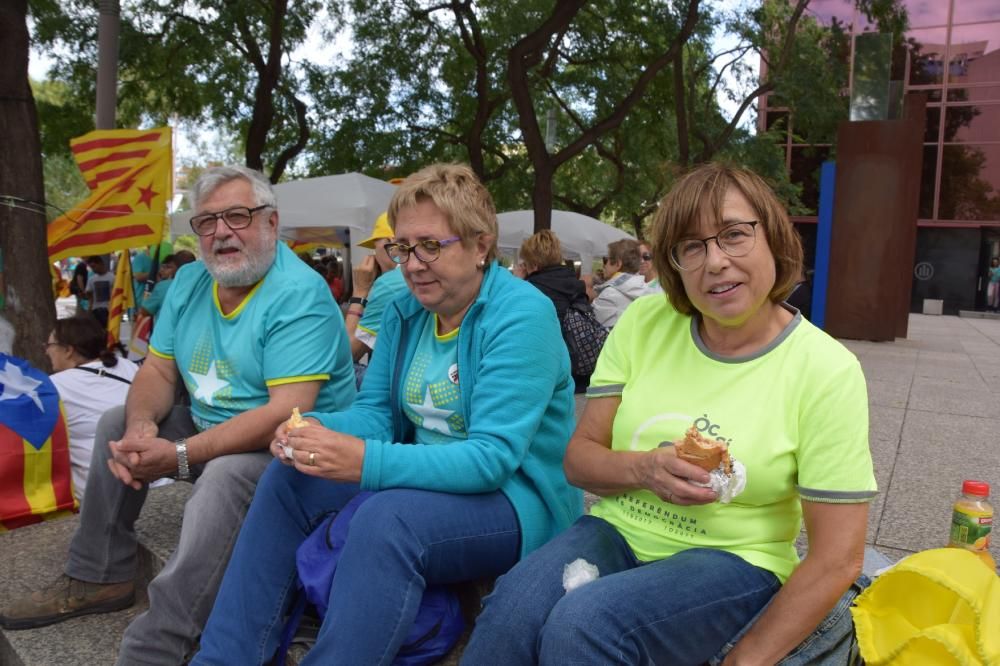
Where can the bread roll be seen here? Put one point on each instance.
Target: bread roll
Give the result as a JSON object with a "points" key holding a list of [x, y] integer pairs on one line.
{"points": [[706, 453]]}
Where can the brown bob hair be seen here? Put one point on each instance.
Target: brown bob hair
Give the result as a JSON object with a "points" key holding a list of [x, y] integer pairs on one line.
{"points": [[458, 193], [698, 195]]}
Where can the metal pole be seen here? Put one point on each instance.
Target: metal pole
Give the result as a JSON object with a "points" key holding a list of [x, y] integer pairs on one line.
{"points": [[107, 63]]}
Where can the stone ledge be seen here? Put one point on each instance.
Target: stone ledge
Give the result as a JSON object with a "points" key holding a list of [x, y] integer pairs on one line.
{"points": [[34, 556]]}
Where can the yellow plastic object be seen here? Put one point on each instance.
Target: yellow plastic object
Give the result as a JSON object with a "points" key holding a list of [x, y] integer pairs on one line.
{"points": [[939, 606]]}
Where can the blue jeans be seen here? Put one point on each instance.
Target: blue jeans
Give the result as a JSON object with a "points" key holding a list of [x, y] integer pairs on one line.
{"points": [[680, 610], [399, 541]]}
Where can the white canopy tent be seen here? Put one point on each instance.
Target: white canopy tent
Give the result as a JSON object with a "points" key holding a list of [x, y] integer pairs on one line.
{"points": [[339, 210], [583, 238]]}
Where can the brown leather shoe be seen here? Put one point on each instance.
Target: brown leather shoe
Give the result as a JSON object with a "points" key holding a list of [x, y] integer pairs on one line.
{"points": [[65, 598]]}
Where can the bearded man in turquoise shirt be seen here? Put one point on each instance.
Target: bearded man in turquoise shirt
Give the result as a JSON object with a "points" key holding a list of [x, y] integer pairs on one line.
{"points": [[251, 332]]}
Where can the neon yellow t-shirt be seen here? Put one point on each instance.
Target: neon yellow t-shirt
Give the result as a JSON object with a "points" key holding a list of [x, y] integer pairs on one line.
{"points": [[795, 414]]}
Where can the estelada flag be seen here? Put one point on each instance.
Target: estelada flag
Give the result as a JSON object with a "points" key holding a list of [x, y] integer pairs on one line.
{"points": [[130, 175], [122, 297], [35, 477]]}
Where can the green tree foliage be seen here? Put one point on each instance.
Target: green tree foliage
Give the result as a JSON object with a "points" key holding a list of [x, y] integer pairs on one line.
{"points": [[220, 62], [590, 106]]}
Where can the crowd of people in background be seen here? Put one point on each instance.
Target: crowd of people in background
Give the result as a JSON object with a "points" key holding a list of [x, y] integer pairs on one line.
{"points": [[436, 393]]}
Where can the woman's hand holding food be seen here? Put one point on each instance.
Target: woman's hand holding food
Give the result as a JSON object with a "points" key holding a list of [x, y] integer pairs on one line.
{"points": [[669, 478], [318, 451]]}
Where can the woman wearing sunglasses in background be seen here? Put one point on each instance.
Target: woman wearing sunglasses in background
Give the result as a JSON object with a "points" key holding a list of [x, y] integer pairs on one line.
{"points": [[647, 270], [461, 426]]}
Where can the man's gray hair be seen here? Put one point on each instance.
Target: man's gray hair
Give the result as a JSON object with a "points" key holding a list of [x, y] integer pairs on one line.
{"points": [[215, 177]]}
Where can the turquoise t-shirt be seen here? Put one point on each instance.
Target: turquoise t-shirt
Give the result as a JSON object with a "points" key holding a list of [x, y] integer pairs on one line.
{"points": [[432, 395], [288, 329], [386, 288], [154, 299], [141, 263], [795, 414]]}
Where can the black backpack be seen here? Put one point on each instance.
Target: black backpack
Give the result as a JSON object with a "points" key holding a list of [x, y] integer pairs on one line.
{"points": [[584, 337]]}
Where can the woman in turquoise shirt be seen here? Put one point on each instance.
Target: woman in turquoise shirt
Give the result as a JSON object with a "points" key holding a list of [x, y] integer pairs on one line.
{"points": [[461, 426]]}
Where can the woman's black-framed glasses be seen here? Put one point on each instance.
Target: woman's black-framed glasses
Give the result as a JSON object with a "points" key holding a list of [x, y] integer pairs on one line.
{"points": [[736, 240], [427, 250], [237, 217]]}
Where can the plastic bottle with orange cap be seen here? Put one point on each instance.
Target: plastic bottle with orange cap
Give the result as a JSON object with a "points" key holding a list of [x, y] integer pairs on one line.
{"points": [[972, 521]]}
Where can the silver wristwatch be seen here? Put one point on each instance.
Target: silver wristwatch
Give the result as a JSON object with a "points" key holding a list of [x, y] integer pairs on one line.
{"points": [[183, 471]]}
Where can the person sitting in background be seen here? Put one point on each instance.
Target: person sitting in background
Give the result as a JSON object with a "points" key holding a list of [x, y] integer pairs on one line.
{"points": [[153, 301], [467, 466], [687, 571], [647, 270], [376, 283], [91, 379], [623, 284], [542, 262]]}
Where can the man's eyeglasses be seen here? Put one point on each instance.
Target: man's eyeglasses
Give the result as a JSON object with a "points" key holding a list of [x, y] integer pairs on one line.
{"points": [[237, 217], [736, 240], [426, 251]]}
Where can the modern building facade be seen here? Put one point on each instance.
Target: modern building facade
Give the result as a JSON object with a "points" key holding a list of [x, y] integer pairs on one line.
{"points": [[952, 55]]}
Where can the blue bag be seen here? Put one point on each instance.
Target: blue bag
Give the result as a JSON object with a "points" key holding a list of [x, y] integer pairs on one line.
{"points": [[439, 622]]}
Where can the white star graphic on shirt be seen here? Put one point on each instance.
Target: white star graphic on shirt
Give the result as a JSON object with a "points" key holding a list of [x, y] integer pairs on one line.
{"points": [[434, 419], [208, 384], [15, 384]]}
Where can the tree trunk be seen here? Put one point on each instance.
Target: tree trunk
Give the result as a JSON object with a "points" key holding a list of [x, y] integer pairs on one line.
{"points": [[27, 286], [541, 195]]}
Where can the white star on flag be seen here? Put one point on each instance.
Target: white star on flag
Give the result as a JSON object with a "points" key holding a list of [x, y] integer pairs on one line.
{"points": [[434, 419], [16, 383], [208, 384]]}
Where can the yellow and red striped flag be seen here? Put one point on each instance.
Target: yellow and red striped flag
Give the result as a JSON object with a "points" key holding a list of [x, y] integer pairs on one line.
{"points": [[130, 175], [122, 297], [35, 472]]}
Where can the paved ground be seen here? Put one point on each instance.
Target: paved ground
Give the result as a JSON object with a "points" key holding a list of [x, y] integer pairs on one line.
{"points": [[935, 420]]}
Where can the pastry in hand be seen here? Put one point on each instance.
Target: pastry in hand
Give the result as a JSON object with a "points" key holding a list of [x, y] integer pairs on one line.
{"points": [[709, 454], [296, 420], [726, 475]]}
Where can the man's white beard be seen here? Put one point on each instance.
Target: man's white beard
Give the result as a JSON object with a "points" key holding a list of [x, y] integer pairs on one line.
{"points": [[255, 263]]}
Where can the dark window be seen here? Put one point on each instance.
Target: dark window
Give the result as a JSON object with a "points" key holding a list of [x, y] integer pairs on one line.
{"points": [[969, 123], [927, 176], [806, 161], [978, 94], [927, 52], [970, 183], [933, 124]]}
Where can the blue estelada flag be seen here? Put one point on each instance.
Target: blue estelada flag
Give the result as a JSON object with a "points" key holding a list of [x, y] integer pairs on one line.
{"points": [[35, 477]]}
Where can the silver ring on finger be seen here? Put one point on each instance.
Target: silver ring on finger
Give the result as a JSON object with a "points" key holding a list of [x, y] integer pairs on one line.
{"points": [[312, 459]]}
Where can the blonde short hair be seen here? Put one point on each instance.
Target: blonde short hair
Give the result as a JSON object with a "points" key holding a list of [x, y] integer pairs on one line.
{"points": [[542, 249], [458, 193], [700, 194]]}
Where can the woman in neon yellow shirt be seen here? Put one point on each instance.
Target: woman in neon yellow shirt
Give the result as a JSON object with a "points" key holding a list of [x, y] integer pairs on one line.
{"points": [[665, 570]]}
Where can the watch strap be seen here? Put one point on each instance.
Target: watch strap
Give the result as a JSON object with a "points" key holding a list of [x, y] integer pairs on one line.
{"points": [[183, 469], [360, 300]]}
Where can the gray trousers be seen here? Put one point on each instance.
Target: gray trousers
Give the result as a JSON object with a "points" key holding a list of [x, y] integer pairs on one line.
{"points": [[104, 548]]}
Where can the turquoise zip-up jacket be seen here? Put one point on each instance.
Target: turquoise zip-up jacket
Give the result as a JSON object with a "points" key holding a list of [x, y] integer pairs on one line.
{"points": [[517, 402]]}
